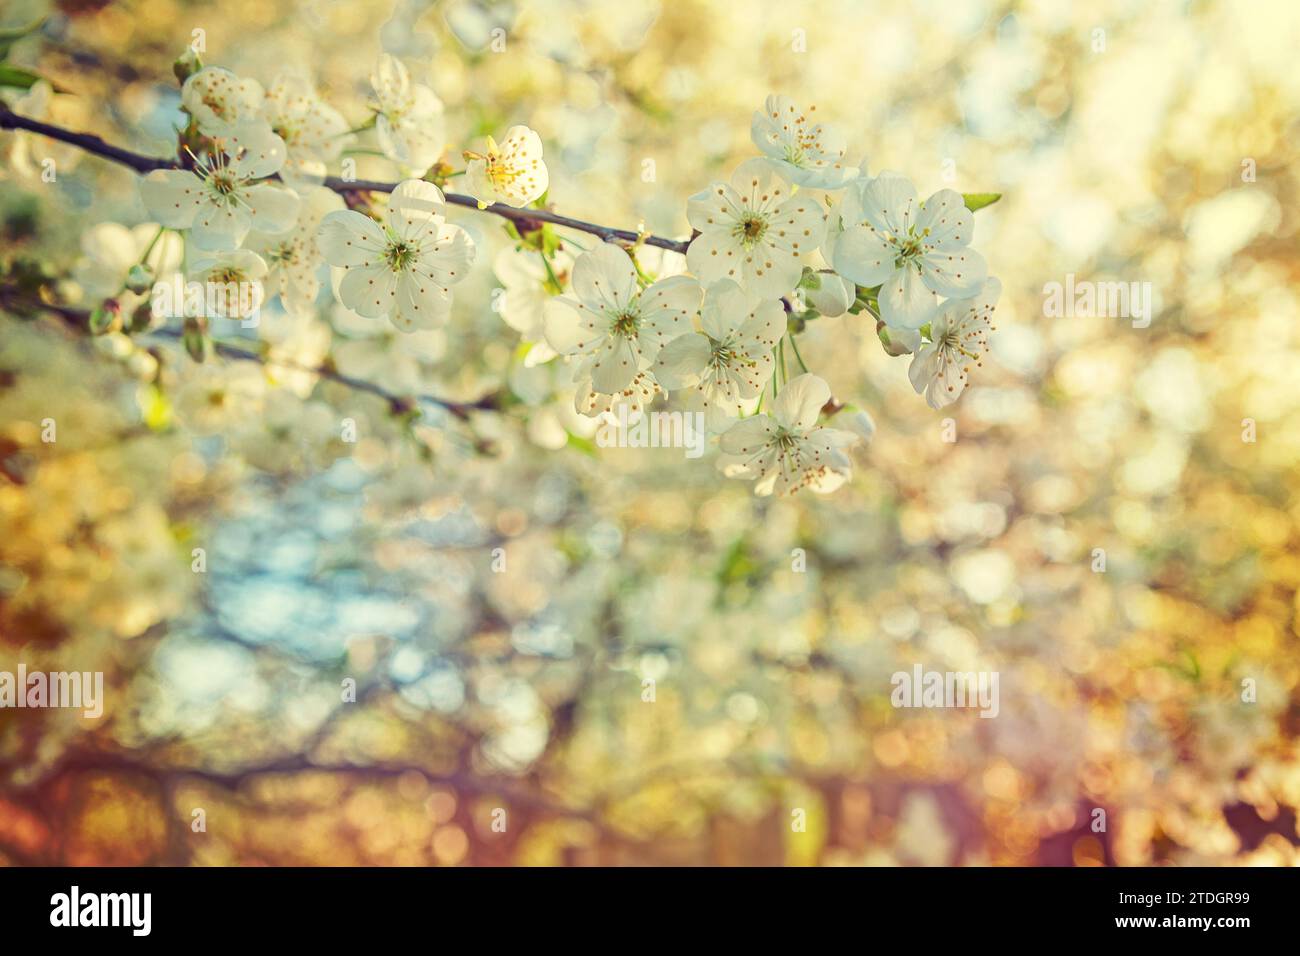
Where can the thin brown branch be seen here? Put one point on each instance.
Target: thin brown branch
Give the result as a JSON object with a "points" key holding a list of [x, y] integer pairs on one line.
{"points": [[79, 320], [397, 403], [145, 164]]}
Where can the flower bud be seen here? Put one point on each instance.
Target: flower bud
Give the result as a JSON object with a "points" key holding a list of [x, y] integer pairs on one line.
{"points": [[898, 341], [140, 279], [187, 64], [194, 340], [141, 319], [105, 317], [832, 295]]}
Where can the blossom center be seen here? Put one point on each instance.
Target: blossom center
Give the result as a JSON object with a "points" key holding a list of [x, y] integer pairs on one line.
{"points": [[399, 255], [223, 183], [751, 229], [625, 324], [499, 172]]}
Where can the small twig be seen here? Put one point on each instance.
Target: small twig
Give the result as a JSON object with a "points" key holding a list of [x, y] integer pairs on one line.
{"points": [[397, 403], [78, 320], [85, 141]]}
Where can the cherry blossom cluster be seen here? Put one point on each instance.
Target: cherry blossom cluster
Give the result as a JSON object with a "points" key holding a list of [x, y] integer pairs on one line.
{"points": [[795, 233], [713, 334]]}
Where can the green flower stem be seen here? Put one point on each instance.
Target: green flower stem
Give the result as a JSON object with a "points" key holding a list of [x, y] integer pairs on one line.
{"points": [[795, 345]]}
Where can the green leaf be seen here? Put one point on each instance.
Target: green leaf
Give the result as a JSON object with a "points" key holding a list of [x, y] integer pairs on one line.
{"points": [[738, 564], [584, 445], [977, 201], [13, 76]]}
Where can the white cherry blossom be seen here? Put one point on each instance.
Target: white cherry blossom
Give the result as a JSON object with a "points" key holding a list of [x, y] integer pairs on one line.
{"points": [[215, 397], [787, 450], [29, 155], [958, 339], [219, 100], [613, 323], [291, 434], [409, 117], [804, 151], [226, 195], [637, 395], [512, 173], [753, 231], [313, 131], [730, 359], [232, 282], [915, 253], [293, 258], [404, 268], [528, 287]]}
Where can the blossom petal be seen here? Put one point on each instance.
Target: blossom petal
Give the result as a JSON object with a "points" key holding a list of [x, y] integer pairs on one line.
{"points": [[172, 196], [712, 256], [255, 150], [714, 209], [272, 209], [349, 238], [800, 402], [863, 255], [889, 202], [217, 99], [392, 143], [760, 333], [369, 290], [521, 154], [572, 328], [922, 369], [616, 365], [391, 81], [414, 206], [905, 302], [833, 296], [447, 254], [421, 303], [945, 222], [219, 227], [725, 309], [666, 308], [605, 278], [748, 435], [958, 274], [680, 362]]}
